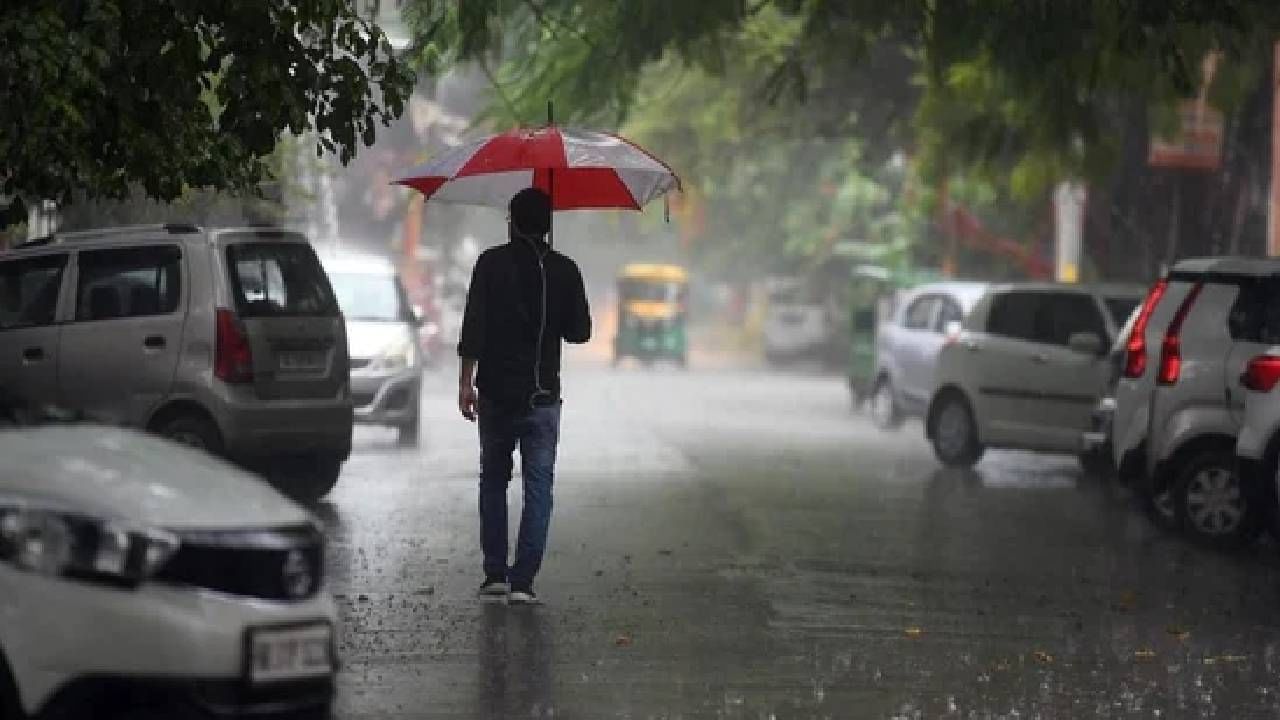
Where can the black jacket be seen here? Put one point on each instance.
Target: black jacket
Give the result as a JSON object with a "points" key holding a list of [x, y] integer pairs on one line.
{"points": [[503, 318]]}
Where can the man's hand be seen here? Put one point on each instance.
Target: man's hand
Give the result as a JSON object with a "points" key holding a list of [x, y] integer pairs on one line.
{"points": [[467, 399]]}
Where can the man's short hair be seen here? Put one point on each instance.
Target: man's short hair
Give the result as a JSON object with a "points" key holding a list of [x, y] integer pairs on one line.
{"points": [[531, 212]]}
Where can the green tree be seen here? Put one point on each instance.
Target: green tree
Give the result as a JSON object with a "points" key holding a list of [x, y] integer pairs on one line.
{"points": [[104, 98]]}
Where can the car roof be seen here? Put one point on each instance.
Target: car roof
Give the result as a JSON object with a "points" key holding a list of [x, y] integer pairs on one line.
{"points": [[1104, 289], [966, 291], [133, 234], [1228, 265], [359, 263]]}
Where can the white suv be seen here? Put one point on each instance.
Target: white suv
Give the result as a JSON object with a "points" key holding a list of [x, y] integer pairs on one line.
{"points": [[1027, 370], [226, 339], [1180, 404], [140, 577]]}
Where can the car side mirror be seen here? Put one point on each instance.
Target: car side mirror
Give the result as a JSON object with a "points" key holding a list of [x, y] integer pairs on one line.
{"points": [[1085, 343]]}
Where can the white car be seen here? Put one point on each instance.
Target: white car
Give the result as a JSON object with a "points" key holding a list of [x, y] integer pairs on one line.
{"points": [[1180, 404], [1027, 370], [795, 322], [1258, 446], [382, 342], [907, 347], [137, 573]]}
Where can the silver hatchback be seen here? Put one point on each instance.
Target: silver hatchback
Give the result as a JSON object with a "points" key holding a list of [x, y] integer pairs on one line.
{"points": [[226, 339], [382, 337]]}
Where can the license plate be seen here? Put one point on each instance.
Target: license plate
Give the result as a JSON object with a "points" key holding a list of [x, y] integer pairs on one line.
{"points": [[301, 360], [290, 653]]}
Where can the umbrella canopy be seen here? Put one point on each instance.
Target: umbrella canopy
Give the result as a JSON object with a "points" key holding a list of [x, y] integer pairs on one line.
{"points": [[579, 169]]}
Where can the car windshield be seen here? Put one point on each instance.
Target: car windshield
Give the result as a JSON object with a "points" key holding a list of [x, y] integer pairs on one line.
{"points": [[369, 297]]}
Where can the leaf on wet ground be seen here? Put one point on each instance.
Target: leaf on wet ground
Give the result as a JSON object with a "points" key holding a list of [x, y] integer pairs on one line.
{"points": [[1042, 657], [1127, 601], [624, 640], [1144, 654], [1179, 632], [913, 632]]}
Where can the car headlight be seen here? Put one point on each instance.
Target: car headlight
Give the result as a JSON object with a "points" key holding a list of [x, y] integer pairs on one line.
{"points": [[71, 544], [397, 356]]}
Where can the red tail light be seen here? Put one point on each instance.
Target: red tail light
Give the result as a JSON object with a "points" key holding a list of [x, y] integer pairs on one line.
{"points": [[1171, 348], [1262, 373], [232, 357], [1135, 356]]}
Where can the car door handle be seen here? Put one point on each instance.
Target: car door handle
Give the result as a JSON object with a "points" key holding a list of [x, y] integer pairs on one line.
{"points": [[153, 342], [32, 354]]}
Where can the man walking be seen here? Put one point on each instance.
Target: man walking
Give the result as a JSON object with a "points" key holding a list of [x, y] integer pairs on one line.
{"points": [[523, 300]]}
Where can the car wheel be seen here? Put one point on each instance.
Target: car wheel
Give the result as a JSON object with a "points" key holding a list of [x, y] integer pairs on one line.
{"points": [[408, 433], [885, 413], [193, 431], [955, 434], [1213, 505], [305, 479]]}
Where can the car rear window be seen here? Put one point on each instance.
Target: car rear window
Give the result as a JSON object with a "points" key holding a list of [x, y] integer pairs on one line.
{"points": [[279, 279], [1255, 315]]}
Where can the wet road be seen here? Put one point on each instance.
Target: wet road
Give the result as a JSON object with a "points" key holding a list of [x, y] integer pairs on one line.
{"points": [[739, 545]]}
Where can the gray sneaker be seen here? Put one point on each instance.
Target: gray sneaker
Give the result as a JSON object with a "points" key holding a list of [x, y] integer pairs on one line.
{"points": [[523, 596], [493, 588]]}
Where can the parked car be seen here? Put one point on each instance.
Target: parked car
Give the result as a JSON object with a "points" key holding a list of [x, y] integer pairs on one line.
{"points": [[1258, 446], [1026, 371], [229, 340], [141, 578], [1181, 404], [796, 325], [382, 332], [907, 347]]}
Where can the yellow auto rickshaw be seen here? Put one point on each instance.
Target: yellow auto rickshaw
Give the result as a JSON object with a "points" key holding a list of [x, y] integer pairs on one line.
{"points": [[652, 313]]}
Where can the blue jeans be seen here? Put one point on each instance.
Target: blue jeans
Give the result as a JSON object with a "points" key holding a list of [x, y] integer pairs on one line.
{"points": [[537, 432]]}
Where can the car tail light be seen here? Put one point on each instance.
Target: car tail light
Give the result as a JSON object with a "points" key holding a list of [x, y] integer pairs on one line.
{"points": [[232, 356], [1135, 356], [1262, 373], [1171, 348]]}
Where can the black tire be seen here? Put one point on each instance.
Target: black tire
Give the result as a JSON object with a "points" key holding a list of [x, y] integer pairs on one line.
{"points": [[193, 431], [407, 434], [306, 479], [1213, 505], [882, 405], [954, 433]]}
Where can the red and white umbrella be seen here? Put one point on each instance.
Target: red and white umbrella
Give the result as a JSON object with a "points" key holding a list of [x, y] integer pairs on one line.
{"points": [[579, 169]]}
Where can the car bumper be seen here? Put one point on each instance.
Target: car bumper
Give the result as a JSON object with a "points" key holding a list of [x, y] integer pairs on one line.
{"points": [[190, 699], [68, 642], [386, 399], [297, 427]]}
